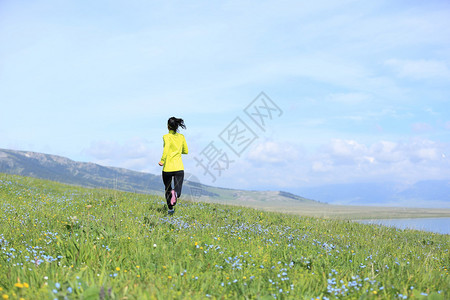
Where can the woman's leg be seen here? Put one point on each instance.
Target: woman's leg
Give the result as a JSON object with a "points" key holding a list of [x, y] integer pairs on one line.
{"points": [[167, 179], [178, 178]]}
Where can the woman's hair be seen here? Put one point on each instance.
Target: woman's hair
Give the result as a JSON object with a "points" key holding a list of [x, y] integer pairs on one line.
{"points": [[174, 123]]}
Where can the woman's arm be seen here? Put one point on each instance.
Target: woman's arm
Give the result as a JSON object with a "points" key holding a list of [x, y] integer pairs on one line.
{"points": [[164, 155], [184, 150]]}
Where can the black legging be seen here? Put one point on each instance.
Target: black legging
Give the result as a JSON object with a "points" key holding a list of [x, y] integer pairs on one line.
{"points": [[178, 177]]}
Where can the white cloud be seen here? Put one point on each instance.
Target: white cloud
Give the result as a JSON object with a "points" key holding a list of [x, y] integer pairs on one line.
{"points": [[348, 161], [273, 152], [424, 151], [135, 154], [447, 125], [322, 166], [349, 98], [386, 152], [345, 151], [420, 69], [421, 127]]}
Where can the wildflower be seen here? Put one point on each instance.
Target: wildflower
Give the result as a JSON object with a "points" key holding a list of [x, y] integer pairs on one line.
{"points": [[19, 285], [117, 269]]}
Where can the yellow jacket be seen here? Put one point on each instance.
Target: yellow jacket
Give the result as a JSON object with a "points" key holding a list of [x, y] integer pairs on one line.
{"points": [[174, 146]]}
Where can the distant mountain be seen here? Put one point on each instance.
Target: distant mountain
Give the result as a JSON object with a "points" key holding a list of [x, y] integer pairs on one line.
{"points": [[64, 170], [61, 169], [429, 193]]}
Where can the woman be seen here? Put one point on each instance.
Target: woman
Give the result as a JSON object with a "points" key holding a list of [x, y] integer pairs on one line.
{"points": [[174, 146]]}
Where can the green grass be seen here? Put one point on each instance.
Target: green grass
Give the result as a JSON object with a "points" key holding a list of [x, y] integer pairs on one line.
{"points": [[66, 242]]}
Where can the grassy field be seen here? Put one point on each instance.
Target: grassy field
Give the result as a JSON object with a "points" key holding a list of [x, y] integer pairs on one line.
{"points": [[67, 242], [270, 201]]}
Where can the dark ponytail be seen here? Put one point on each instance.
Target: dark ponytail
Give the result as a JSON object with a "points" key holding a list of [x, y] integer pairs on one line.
{"points": [[174, 123]]}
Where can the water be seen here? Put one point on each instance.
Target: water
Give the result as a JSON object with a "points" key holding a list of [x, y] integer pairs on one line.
{"points": [[437, 225]]}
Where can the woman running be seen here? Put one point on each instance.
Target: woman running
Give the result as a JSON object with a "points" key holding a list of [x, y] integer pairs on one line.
{"points": [[174, 146]]}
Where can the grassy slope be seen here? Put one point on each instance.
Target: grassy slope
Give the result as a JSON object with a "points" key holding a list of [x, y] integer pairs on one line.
{"points": [[58, 241]]}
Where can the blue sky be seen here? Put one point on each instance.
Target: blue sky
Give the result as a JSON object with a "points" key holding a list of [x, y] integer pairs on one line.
{"points": [[362, 87]]}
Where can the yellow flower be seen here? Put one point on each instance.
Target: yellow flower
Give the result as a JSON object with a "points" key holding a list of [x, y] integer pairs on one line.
{"points": [[137, 267], [375, 292], [138, 276], [170, 277], [5, 296], [19, 285], [26, 285], [117, 269]]}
